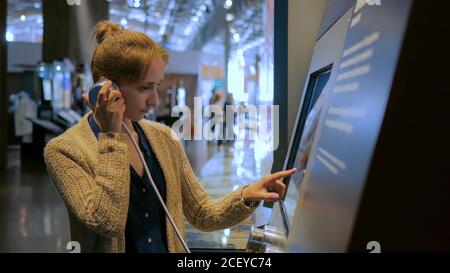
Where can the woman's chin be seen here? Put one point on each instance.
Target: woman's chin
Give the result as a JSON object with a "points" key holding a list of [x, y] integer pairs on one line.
{"points": [[136, 117]]}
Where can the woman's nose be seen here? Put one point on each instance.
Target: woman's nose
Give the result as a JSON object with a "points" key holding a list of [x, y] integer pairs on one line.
{"points": [[154, 98]]}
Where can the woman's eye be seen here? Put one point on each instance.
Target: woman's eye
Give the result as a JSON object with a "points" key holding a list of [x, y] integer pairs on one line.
{"points": [[145, 88], [149, 87]]}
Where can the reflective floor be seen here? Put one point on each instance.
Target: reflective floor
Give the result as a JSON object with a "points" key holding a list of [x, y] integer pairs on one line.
{"points": [[34, 218], [224, 172]]}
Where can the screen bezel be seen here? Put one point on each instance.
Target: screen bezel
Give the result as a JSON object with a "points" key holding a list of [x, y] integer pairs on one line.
{"points": [[304, 109]]}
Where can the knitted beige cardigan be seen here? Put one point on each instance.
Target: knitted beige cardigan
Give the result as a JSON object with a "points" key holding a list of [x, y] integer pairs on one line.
{"points": [[93, 178]]}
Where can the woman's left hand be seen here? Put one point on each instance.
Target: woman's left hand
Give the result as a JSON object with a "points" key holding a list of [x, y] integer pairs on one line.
{"points": [[269, 188]]}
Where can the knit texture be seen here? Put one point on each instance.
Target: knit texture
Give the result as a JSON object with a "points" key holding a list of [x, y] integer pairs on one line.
{"points": [[93, 178]]}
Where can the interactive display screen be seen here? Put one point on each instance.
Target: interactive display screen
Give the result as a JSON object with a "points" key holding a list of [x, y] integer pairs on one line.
{"points": [[348, 129], [306, 128]]}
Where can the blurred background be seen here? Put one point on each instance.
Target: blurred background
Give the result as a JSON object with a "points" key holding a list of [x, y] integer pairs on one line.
{"points": [[220, 51]]}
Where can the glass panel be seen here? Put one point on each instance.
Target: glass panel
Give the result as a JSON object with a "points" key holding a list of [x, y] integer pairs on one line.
{"points": [[24, 21]]}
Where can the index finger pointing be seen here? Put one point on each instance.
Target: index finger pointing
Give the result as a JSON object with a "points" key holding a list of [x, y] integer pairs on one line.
{"points": [[281, 174]]}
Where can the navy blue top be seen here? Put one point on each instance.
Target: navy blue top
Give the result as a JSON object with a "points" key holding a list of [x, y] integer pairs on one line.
{"points": [[145, 230]]}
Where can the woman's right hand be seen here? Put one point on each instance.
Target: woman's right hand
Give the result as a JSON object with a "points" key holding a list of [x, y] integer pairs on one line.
{"points": [[108, 112]]}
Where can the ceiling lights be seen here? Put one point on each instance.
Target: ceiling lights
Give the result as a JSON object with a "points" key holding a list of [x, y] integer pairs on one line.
{"points": [[173, 23]]}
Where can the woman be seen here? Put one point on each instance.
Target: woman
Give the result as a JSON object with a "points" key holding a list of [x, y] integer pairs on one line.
{"points": [[97, 171]]}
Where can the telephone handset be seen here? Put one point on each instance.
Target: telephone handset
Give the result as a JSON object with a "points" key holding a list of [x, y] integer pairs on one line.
{"points": [[95, 89], [93, 95]]}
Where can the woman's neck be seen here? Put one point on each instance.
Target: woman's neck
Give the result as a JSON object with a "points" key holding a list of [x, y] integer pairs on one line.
{"points": [[126, 121], [129, 125]]}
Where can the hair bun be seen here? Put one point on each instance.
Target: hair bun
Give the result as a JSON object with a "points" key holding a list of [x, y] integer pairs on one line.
{"points": [[103, 29]]}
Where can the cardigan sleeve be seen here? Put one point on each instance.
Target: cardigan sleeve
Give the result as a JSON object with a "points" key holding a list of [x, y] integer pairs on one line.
{"points": [[99, 201], [200, 210]]}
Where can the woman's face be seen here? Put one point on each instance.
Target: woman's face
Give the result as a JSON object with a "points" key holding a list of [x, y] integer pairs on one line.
{"points": [[141, 96]]}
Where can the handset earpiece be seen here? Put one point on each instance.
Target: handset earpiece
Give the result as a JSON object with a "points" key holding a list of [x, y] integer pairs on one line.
{"points": [[95, 89]]}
